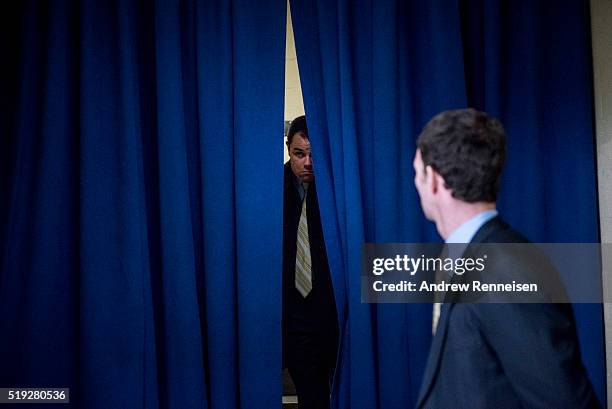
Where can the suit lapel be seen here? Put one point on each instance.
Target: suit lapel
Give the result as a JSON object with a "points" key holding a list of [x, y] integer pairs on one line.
{"points": [[437, 344], [433, 362], [486, 229]]}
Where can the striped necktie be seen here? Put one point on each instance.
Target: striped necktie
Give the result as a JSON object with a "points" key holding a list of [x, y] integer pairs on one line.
{"points": [[303, 264]]}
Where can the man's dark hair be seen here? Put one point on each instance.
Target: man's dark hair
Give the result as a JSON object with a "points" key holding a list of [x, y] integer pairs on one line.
{"points": [[468, 149], [297, 125]]}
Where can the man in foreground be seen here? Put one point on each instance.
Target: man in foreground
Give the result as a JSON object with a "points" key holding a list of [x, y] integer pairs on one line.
{"points": [[496, 355], [310, 324]]}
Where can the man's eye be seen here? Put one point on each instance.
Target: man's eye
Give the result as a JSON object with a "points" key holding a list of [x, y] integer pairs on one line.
{"points": [[299, 154]]}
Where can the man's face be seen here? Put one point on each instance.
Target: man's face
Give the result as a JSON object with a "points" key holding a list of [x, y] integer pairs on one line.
{"points": [[423, 183], [300, 158]]}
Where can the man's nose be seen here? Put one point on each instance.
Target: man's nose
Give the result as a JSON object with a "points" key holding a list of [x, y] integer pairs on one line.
{"points": [[308, 161]]}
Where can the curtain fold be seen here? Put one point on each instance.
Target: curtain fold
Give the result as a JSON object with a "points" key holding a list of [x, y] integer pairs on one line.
{"points": [[143, 179], [373, 73], [141, 186]]}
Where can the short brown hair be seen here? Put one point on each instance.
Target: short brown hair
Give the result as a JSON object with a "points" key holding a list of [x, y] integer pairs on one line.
{"points": [[468, 149], [297, 125]]}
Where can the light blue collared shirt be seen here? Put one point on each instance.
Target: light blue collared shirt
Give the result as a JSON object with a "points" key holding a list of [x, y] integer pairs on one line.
{"points": [[465, 233]]}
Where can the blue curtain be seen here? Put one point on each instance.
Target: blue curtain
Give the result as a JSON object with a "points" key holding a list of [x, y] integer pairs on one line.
{"points": [[141, 168], [373, 73]]}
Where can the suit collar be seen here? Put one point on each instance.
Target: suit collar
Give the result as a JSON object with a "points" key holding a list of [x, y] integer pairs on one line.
{"points": [[466, 231], [488, 228]]}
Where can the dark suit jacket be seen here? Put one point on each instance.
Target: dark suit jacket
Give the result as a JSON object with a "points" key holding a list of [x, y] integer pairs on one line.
{"points": [[316, 314], [505, 355]]}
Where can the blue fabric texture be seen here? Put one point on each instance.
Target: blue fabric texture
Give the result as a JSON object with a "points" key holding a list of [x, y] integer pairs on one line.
{"points": [[373, 73], [144, 168], [141, 182]]}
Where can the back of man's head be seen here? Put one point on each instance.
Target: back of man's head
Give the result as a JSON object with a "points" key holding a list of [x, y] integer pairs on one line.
{"points": [[468, 149]]}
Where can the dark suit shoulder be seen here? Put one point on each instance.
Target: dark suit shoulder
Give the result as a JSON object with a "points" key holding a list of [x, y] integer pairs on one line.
{"points": [[288, 175], [516, 259], [497, 230]]}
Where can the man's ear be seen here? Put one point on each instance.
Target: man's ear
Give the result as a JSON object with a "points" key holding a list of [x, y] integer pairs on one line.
{"points": [[439, 182], [432, 179]]}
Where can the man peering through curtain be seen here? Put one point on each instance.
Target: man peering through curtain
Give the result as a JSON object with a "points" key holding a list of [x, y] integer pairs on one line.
{"points": [[310, 324]]}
